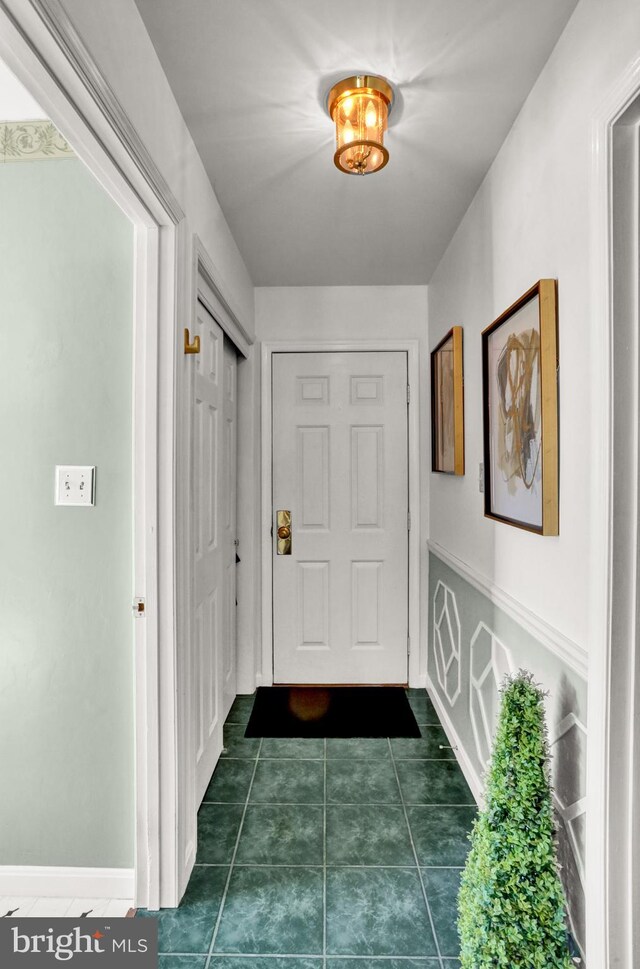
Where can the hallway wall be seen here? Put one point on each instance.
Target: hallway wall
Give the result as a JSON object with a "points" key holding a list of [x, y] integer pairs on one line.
{"points": [[351, 313], [531, 219], [66, 636], [476, 638], [119, 43]]}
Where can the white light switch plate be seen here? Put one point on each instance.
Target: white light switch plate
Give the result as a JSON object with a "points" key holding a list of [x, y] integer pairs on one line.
{"points": [[75, 485]]}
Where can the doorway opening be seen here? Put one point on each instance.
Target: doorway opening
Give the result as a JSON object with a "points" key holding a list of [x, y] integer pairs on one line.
{"points": [[89, 118], [67, 627]]}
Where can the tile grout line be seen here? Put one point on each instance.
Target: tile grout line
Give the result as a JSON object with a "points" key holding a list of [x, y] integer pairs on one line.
{"points": [[256, 864], [324, 860], [233, 858], [346, 760], [461, 804], [415, 855], [314, 956]]}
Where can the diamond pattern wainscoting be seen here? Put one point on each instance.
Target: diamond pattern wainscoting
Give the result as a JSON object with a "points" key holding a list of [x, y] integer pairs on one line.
{"points": [[325, 854]]}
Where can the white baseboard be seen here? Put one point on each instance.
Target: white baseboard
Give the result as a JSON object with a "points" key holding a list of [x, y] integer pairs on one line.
{"points": [[41, 882], [466, 765], [570, 652]]}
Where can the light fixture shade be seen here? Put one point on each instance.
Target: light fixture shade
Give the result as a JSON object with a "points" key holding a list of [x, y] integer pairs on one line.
{"points": [[359, 107]]}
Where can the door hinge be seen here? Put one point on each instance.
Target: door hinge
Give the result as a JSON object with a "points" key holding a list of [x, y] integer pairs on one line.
{"points": [[408, 393], [408, 521], [138, 608], [408, 645]]}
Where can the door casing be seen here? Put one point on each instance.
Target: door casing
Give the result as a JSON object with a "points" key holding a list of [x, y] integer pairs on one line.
{"points": [[612, 773], [417, 676]]}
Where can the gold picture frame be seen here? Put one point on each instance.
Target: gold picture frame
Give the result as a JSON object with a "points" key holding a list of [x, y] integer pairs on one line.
{"points": [[520, 412], [447, 405]]}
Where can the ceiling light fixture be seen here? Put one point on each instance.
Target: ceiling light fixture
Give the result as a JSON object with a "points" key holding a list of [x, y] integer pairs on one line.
{"points": [[359, 107]]}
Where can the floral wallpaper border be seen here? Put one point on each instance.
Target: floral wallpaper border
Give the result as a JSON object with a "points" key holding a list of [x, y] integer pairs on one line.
{"points": [[31, 141]]}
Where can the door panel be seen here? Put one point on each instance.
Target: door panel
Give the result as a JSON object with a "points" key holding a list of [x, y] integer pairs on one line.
{"points": [[229, 528], [214, 455], [340, 465], [206, 451]]}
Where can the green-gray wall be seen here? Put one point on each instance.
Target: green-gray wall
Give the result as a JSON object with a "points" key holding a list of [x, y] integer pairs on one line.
{"points": [[66, 650], [473, 643]]}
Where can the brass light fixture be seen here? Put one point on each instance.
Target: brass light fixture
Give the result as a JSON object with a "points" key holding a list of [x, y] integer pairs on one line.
{"points": [[359, 107]]}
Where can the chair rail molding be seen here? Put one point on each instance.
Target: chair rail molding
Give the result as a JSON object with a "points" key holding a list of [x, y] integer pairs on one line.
{"points": [[570, 652]]}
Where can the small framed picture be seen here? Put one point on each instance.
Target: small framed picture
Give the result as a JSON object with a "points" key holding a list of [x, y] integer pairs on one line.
{"points": [[447, 405], [520, 403]]}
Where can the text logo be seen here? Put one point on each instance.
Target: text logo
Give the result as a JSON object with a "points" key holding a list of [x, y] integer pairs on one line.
{"points": [[120, 943]]}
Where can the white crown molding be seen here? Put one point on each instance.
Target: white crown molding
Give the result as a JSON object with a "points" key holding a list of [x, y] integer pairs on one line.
{"points": [[218, 302], [571, 653], [55, 882], [59, 25]]}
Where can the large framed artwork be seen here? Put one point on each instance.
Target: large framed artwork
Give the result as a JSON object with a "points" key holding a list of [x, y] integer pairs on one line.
{"points": [[447, 405], [520, 390]]}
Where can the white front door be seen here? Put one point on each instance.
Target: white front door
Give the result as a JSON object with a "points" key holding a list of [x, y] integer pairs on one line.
{"points": [[340, 467], [214, 532]]}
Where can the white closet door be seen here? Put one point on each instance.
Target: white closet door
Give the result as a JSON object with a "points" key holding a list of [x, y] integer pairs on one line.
{"points": [[340, 466], [208, 548], [229, 524]]}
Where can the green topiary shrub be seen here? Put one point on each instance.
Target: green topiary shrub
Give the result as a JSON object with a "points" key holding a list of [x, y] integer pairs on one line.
{"points": [[511, 902]]}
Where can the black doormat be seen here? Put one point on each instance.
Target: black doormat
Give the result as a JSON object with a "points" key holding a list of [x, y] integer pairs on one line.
{"points": [[334, 711]]}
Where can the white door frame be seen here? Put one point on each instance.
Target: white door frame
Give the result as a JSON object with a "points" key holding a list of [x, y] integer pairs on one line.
{"points": [[411, 348], [610, 725], [40, 45]]}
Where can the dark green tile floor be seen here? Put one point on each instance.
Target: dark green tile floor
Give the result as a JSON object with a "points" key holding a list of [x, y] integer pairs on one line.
{"points": [[325, 854]]}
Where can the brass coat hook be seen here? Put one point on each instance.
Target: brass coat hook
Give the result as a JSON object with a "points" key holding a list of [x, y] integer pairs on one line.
{"points": [[188, 346]]}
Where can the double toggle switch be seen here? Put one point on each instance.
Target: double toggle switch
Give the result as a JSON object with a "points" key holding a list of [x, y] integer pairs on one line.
{"points": [[283, 524]]}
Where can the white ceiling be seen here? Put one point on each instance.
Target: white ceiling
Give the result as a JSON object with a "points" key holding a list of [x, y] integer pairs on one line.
{"points": [[251, 78], [16, 104]]}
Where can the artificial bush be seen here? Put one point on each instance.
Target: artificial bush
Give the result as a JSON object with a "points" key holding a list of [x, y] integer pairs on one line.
{"points": [[511, 902]]}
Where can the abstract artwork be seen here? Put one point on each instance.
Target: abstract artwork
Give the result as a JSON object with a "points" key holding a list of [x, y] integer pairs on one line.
{"points": [[520, 363], [447, 404]]}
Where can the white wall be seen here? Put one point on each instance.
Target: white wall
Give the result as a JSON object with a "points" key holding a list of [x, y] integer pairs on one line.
{"points": [[530, 219], [121, 47], [352, 313]]}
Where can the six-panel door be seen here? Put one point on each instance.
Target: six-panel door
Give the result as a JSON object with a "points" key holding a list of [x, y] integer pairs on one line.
{"points": [[340, 466], [214, 533]]}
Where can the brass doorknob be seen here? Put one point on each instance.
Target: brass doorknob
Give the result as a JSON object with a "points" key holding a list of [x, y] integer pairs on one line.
{"points": [[283, 521]]}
